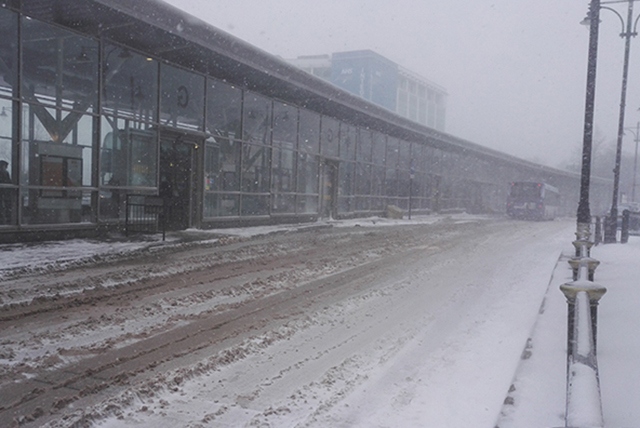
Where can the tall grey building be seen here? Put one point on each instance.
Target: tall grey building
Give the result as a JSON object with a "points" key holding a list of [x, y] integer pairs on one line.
{"points": [[383, 82]]}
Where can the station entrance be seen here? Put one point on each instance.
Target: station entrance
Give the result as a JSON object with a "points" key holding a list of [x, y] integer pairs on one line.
{"points": [[178, 184]]}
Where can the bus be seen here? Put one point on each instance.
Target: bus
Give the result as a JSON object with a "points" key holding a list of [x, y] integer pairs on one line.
{"points": [[533, 201]]}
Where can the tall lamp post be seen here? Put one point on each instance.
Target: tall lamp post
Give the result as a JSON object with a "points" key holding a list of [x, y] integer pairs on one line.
{"points": [[584, 214], [628, 31], [636, 136]]}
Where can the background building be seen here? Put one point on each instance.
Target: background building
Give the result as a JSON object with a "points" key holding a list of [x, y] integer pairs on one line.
{"points": [[383, 82]]}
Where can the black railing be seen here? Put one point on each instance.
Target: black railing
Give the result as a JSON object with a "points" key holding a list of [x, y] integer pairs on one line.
{"points": [[145, 214]]}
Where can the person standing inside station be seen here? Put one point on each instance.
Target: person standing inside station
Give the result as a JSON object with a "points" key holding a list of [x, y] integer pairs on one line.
{"points": [[5, 194]]}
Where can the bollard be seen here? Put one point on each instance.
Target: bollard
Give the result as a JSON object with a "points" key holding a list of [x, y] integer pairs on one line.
{"points": [[624, 233], [598, 234], [610, 227]]}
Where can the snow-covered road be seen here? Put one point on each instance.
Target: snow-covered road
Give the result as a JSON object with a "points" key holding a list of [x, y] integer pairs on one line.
{"points": [[420, 325]]}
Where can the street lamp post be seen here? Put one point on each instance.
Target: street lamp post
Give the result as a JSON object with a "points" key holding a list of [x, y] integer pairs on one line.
{"points": [[584, 214], [411, 177], [636, 137], [635, 163], [611, 227]]}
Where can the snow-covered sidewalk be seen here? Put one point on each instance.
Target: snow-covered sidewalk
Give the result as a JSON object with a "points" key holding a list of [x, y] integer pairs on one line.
{"points": [[53, 255], [537, 397]]}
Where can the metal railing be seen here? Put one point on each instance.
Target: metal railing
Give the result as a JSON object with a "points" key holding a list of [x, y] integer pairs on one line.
{"points": [[145, 214], [583, 399]]}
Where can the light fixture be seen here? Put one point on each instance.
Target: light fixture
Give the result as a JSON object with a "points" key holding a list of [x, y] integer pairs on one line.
{"points": [[125, 54], [82, 56]]}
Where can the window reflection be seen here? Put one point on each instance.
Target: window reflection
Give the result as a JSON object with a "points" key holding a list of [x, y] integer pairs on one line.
{"points": [[347, 142], [182, 98], [8, 52], [255, 168], [59, 67], [128, 155], [285, 125], [224, 109], [283, 181], [309, 138], [222, 177], [256, 119], [329, 137], [130, 85]]}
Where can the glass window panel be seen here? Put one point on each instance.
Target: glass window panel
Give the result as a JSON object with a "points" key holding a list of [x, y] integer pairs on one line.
{"points": [[345, 204], [58, 67], [377, 180], [230, 163], [70, 137], [347, 142], [7, 202], [221, 205], [309, 131], [6, 118], [6, 131], [283, 203], [182, 98], [364, 146], [6, 151], [307, 204], [282, 170], [255, 205], [41, 123], [422, 111], [363, 179], [329, 137], [379, 146], [307, 173], [7, 193], [130, 84], [112, 203], [224, 109], [392, 153], [255, 170], [8, 51], [417, 157], [404, 155], [413, 107], [212, 166], [377, 203], [40, 207], [403, 103], [285, 125], [128, 155], [222, 165], [346, 174], [391, 182], [256, 119], [403, 182]]}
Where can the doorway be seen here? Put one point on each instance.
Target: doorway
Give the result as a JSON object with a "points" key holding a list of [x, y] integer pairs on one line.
{"points": [[178, 170]]}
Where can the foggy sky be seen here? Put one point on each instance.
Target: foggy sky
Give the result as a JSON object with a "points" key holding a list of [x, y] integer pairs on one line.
{"points": [[515, 71]]}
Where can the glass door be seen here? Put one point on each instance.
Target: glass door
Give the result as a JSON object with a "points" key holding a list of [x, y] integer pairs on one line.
{"points": [[177, 172]]}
